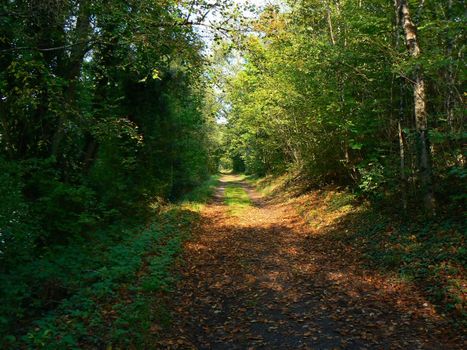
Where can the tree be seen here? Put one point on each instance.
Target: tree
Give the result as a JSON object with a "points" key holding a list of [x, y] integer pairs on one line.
{"points": [[316, 97], [420, 105]]}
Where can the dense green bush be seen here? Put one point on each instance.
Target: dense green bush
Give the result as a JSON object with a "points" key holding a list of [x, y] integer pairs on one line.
{"points": [[18, 231]]}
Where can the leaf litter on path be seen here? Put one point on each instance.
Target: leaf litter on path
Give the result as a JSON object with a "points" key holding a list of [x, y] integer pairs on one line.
{"points": [[256, 280]]}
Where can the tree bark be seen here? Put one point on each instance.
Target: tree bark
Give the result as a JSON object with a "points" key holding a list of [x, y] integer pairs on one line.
{"points": [[331, 30], [400, 119], [420, 101], [450, 99], [72, 69]]}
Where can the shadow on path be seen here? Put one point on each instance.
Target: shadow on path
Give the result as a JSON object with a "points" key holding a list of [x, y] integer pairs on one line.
{"points": [[261, 281]]}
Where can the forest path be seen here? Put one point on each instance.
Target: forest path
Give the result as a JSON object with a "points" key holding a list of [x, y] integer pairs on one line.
{"points": [[257, 279]]}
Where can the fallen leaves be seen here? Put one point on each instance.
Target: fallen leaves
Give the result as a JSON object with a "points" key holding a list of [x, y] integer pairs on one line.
{"points": [[264, 280]]}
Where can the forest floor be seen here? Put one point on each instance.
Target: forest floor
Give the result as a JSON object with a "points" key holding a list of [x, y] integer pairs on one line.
{"points": [[257, 276]]}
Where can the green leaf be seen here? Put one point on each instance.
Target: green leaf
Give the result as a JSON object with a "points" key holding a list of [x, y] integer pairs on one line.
{"points": [[156, 74], [356, 146]]}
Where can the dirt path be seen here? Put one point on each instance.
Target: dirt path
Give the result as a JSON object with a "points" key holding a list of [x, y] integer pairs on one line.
{"points": [[260, 281]]}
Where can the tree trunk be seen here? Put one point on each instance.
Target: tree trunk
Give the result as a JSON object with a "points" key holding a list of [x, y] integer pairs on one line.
{"points": [[450, 78], [421, 118], [400, 119], [403, 177], [331, 30], [72, 69]]}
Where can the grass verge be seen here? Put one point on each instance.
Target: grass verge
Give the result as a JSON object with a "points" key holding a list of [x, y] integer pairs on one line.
{"points": [[237, 199], [196, 199]]}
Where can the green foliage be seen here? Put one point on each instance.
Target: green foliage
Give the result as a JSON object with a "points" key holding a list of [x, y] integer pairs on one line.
{"points": [[103, 289], [322, 88], [106, 106], [372, 178], [340, 200], [103, 108], [197, 198], [18, 232]]}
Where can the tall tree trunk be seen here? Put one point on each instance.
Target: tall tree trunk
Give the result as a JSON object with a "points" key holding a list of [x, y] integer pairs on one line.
{"points": [[329, 19], [400, 119], [420, 100], [72, 68], [450, 79], [78, 52], [403, 177]]}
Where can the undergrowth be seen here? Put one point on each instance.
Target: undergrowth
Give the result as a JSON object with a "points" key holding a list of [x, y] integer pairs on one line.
{"points": [[196, 199], [100, 292], [430, 253]]}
